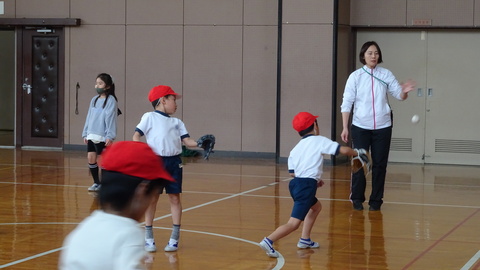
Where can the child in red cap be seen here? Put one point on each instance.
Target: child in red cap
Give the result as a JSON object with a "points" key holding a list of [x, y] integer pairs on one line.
{"points": [[305, 166], [111, 238], [165, 134]]}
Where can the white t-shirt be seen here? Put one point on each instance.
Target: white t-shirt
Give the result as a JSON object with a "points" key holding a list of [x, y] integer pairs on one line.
{"points": [[306, 158], [164, 133], [104, 241]]}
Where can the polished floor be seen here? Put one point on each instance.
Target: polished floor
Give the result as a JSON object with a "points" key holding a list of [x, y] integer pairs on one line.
{"points": [[430, 218]]}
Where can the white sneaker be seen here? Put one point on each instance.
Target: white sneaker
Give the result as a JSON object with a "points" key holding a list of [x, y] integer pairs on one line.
{"points": [[171, 246], [94, 187], [268, 248], [307, 244], [150, 245]]}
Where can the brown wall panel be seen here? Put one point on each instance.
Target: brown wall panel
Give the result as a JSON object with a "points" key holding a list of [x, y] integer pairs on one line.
{"points": [[8, 9], [259, 89], [42, 9], [306, 78], [378, 12], [476, 14], [344, 12], [308, 11], [99, 12], [87, 60], [154, 12], [213, 83], [218, 12], [154, 56], [344, 60], [441, 12], [261, 12]]}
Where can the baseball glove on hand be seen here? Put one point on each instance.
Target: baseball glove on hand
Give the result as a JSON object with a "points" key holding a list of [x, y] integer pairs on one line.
{"points": [[363, 160], [207, 142]]}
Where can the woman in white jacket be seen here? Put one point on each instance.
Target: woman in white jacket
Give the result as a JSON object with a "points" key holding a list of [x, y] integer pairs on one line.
{"points": [[366, 91]]}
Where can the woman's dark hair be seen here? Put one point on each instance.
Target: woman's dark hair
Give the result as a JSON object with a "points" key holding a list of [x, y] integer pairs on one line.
{"points": [[364, 49], [118, 189], [110, 91]]}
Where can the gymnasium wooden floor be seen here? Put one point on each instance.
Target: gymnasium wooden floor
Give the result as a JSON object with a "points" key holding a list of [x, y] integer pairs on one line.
{"points": [[430, 218]]}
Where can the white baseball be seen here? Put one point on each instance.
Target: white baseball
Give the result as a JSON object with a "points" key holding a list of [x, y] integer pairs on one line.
{"points": [[415, 119]]}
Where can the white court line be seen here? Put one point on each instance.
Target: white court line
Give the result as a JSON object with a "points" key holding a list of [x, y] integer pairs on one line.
{"points": [[338, 200], [232, 175], [472, 261], [41, 223], [31, 257], [221, 199], [280, 259]]}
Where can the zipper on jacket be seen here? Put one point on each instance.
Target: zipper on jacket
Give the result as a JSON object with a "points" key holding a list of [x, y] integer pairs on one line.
{"points": [[373, 103]]}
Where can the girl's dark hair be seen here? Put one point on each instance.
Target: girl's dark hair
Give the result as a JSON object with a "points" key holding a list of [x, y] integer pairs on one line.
{"points": [[118, 189], [365, 47], [107, 79]]}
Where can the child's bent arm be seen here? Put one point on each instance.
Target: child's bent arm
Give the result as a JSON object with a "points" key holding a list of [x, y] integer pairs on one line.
{"points": [[136, 136], [345, 150], [189, 142]]}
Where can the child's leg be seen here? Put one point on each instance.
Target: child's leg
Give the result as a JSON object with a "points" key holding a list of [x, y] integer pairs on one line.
{"points": [[310, 220], [150, 213], [149, 216], [93, 166], [285, 229], [176, 210], [94, 150], [92, 157]]}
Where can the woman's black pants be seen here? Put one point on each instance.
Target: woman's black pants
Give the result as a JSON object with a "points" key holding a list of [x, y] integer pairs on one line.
{"points": [[378, 143]]}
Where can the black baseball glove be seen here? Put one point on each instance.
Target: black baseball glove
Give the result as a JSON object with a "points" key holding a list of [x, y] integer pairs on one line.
{"points": [[207, 142]]}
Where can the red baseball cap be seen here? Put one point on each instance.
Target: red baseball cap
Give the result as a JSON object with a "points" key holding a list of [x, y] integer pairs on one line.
{"points": [[303, 120], [161, 91], [134, 159]]}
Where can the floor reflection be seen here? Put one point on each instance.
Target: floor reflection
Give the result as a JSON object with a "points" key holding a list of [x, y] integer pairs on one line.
{"points": [[304, 255]]}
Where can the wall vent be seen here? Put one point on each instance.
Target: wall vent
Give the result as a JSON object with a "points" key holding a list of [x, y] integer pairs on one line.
{"points": [[457, 146], [401, 144]]}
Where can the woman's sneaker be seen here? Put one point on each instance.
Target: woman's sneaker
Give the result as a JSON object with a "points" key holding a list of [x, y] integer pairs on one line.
{"points": [[268, 248], [307, 244]]}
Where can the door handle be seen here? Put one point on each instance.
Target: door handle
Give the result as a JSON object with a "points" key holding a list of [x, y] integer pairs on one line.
{"points": [[430, 92], [27, 87], [419, 92]]}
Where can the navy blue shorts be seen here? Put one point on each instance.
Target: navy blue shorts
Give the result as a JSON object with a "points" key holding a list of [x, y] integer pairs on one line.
{"points": [[95, 147], [303, 192], [173, 165]]}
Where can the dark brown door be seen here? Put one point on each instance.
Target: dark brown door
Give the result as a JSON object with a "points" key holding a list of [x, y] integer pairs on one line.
{"points": [[42, 84]]}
